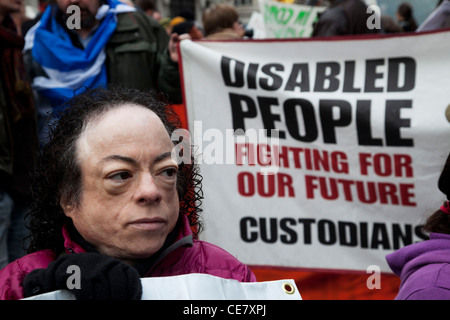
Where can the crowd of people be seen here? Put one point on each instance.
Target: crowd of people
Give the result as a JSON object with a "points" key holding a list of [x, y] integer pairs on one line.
{"points": [[76, 179]]}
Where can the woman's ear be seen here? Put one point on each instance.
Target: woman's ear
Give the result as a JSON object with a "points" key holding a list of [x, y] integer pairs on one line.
{"points": [[67, 207]]}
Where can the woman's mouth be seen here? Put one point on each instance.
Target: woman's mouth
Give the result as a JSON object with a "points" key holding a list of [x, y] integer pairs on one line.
{"points": [[149, 224]]}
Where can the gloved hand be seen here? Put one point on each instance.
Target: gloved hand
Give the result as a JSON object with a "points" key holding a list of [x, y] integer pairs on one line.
{"points": [[101, 278]]}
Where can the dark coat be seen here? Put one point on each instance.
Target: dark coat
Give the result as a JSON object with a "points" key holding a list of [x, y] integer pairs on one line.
{"points": [[343, 17]]}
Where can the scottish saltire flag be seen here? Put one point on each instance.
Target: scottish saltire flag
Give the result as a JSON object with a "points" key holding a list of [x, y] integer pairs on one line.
{"points": [[71, 70]]}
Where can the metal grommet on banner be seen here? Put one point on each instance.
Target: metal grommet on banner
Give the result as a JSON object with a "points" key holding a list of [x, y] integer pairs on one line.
{"points": [[288, 288], [447, 113]]}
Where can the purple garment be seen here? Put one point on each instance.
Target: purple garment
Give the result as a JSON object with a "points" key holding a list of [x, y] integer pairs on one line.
{"points": [[424, 269]]}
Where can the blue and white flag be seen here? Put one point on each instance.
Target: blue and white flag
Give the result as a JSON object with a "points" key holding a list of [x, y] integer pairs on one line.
{"points": [[71, 69]]}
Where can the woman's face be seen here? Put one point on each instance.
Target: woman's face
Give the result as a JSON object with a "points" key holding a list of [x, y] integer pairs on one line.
{"points": [[239, 29], [129, 202]]}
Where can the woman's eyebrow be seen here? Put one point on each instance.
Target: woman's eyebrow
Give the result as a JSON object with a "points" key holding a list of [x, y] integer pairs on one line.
{"points": [[116, 157], [163, 156]]}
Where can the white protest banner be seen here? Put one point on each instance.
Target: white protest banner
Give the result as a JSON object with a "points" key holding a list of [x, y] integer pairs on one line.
{"points": [[362, 138], [283, 20], [197, 286]]}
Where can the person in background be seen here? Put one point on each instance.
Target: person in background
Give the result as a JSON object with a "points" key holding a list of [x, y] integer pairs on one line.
{"points": [[405, 17], [149, 7], [424, 267], [18, 137], [112, 43], [110, 198], [19, 18], [165, 23], [221, 22], [388, 25], [188, 27], [173, 22], [343, 17], [127, 2]]}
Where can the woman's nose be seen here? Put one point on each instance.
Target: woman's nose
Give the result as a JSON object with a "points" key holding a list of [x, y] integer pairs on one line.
{"points": [[147, 190]]}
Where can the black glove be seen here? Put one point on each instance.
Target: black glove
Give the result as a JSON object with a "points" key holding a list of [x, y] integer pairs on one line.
{"points": [[101, 278]]}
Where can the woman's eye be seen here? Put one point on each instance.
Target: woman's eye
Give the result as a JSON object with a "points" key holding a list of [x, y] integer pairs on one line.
{"points": [[120, 176], [171, 172]]}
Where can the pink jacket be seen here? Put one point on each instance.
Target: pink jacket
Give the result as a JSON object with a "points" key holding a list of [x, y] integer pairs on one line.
{"points": [[185, 255]]}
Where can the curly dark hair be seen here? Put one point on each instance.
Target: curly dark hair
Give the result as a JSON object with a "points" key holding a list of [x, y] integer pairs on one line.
{"points": [[57, 175]]}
